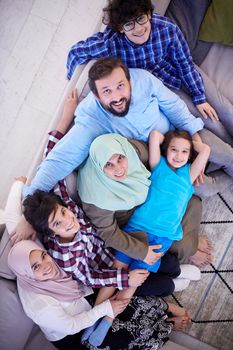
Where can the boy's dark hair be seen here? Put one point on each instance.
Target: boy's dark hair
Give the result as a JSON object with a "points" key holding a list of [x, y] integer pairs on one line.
{"points": [[180, 134], [102, 68], [119, 12], [38, 207]]}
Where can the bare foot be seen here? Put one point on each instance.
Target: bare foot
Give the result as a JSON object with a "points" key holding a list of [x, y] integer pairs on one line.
{"points": [[178, 311], [201, 258], [180, 316], [180, 322], [204, 244]]}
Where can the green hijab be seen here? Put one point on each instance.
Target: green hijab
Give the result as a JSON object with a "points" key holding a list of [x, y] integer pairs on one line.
{"points": [[95, 187]]}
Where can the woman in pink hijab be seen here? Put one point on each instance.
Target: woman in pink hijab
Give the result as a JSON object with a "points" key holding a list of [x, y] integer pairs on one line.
{"points": [[58, 304], [51, 298]]}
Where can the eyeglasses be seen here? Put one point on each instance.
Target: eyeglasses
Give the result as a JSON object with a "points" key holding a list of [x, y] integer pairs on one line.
{"points": [[142, 19]]}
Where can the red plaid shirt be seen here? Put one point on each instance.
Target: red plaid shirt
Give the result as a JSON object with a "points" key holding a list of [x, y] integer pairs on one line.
{"points": [[85, 257]]}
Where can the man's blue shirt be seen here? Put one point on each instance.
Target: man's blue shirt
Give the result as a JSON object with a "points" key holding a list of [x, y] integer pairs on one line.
{"points": [[153, 106]]}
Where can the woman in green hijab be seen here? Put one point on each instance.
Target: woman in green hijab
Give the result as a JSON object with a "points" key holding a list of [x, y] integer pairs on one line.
{"points": [[127, 188], [110, 201], [111, 183]]}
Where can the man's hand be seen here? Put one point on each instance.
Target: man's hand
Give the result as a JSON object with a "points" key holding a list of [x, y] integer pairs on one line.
{"points": [[137, 277], [152, 256], [207, 111], [22, 231]]}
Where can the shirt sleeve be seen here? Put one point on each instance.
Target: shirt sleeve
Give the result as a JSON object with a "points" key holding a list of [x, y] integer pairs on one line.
{"points": [[86, 50], [13, 209], [68, 154], [186, 69], [133, 244], [175, 109], [97, 278], [89, 262], [63, 322]]}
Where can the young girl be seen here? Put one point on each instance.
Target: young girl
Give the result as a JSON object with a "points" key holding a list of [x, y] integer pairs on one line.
{"points": [[172, 178]]}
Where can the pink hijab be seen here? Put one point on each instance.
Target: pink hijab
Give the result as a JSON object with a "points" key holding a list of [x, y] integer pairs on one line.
{"points": [[61, 287]]}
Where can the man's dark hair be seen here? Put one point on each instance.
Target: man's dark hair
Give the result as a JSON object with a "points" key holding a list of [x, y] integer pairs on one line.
{"points": [[102, 68], [119, 12], [180, 134], [38, 207]]}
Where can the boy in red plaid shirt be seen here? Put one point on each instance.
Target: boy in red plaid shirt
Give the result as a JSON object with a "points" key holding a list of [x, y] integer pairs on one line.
{"points": [[72, 240]]}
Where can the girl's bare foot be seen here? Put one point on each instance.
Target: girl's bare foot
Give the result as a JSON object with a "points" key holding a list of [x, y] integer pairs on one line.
{"points": [[204, 244], [178, 311], [180, 316], [201, 258], [180, 322]]}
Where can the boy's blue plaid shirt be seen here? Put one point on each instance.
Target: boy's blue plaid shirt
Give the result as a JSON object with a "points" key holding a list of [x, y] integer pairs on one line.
{"points": [[166, 55]]}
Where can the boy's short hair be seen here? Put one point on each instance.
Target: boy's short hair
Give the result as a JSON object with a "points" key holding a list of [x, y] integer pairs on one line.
{"points": [[38, 207], [102, 68], [182, 134], [119, 12]]}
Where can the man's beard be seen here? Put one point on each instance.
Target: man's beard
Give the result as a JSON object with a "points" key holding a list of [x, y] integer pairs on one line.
{"points": [[114, 112]]}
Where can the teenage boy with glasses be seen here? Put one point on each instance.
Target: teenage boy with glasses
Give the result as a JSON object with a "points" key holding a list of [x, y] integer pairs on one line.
{"points": [[150, 41]]}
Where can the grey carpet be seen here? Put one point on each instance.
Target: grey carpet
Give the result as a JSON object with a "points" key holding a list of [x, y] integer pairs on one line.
{"points": [[211, 299]]}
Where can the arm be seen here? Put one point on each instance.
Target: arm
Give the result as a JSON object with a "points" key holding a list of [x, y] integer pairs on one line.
{"points": [[16, 223], [67, 117], [86, 50], [89, 262], [65, 323], [97, 278], [13, 209], [69, 153], [190, 76], [134, 245], [155, 140], [175, 109], [24, 230], [200, 161]]}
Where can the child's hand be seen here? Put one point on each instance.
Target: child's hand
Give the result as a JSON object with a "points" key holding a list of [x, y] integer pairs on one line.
{"points": [[71, 104], [22, 179], [137, 277], [118, 306], [152, 256], [68, 112]]}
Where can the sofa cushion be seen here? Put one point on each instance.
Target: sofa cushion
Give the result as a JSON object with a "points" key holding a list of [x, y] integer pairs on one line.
{"points": [[37, 341], [220, 74], [217, 26], [188, 15], [15, 326], [5, 246], [160, 6]]}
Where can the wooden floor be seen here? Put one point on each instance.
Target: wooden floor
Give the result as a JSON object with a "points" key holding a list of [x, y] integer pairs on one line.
{"points": [[35, 36]]}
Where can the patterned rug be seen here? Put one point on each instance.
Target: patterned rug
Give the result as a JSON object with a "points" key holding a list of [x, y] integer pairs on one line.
{"points": [[211, 299]]}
